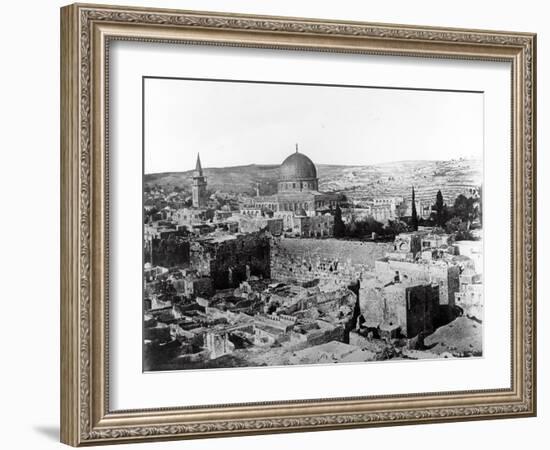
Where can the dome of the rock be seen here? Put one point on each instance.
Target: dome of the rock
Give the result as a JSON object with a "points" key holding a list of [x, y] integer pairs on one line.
{"points": [[298, 167]]}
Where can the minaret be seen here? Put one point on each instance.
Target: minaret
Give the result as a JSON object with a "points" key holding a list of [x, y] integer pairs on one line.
{"points": [[199, 186]]}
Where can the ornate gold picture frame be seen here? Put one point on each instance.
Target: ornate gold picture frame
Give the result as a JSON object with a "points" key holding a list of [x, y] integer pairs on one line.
{"points": [[86, 34]]}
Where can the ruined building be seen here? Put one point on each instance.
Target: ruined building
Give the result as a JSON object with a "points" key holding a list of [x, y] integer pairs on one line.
{"points": [[169, 250], [446, 275], [230, 259], [410, 307], [218, 344]]}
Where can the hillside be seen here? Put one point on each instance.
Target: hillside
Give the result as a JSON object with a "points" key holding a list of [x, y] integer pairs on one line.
{"points": [[389, 179], [237, 179]]}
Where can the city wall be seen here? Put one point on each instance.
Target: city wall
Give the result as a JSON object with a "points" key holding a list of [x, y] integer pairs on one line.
{"points": [[328, 260]]}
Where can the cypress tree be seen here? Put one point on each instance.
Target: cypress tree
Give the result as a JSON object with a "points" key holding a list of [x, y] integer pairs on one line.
{"points": [[439, 206], [339, 226], [414, 215]]}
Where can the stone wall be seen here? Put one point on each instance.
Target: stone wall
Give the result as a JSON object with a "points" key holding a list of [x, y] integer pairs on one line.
{"points": [[445, 275], [218, 344], [167, 252], [272, 225], [470, 300], [312, 226], [330, 260], [319, 336], [192, 287], [414, 307], [422, 309], [231, 260]]}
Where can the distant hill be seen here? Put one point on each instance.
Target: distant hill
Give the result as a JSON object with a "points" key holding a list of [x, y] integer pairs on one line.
{"points": [[392, 179], [237, 179]]}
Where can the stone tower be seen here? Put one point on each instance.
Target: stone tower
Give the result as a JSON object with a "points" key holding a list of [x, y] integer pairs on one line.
{"points": [[199, 186]]}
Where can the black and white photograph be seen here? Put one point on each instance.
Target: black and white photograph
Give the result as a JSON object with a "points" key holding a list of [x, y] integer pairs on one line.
{"points": [[291, 224]]}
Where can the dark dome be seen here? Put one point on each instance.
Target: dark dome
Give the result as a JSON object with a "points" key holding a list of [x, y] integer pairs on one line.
{"points": [[298, 167]]}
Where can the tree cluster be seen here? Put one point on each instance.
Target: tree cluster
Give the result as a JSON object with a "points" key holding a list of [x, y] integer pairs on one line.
{"points": [[457, 219], [365, 227]]}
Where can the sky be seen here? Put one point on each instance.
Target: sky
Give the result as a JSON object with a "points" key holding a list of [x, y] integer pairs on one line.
{"points": [[240, 123]]}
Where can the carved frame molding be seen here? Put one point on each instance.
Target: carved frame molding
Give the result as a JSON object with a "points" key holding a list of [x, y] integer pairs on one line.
{"points": [[86, 31]]}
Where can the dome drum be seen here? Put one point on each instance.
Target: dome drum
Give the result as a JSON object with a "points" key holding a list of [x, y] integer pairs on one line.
{"points": [[298, 186]]}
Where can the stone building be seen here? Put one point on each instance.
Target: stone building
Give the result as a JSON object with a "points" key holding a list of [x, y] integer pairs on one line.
{"points": [[470, 300], [231, 258], [218, 344], [189, 216], [473, 250], [194, 286], [265, 335], [297, 192], [380, 208], [302, 225], [406, 245], [253, 224], [251, 211], [436, 240], [316, 333], [281, 322], [170, 248], [411, 307], [443, 273]]}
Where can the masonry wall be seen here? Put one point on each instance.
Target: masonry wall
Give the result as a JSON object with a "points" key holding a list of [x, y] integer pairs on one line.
{"points": [[167, 252], [383, 305], [192, 287], [414, 308], [422, 309], [229, 262], [316, 337], [218, 344], [274, 226], [334, 260], [446, 276], [470, 300], [322, 336], [371, 302]]}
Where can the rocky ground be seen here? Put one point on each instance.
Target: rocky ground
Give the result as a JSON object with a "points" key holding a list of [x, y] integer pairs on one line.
{"points": [[462, 337]]}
